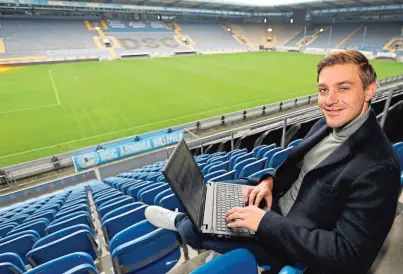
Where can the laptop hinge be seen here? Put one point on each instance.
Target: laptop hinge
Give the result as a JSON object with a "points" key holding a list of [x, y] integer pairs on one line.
{"points": [[201, 215]]}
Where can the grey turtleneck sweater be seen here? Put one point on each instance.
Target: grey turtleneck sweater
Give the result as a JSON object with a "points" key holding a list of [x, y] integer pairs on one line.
{"points": [[319, 153]]}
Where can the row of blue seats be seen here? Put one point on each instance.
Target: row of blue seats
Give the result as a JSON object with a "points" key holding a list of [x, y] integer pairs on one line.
{"points": [[121, 203], [399, 150]]}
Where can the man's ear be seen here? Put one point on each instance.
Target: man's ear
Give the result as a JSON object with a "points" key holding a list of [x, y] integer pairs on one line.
{"points": [[370, 91]]}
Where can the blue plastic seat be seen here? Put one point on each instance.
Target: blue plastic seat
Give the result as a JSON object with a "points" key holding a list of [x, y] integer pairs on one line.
{"points": [[243, 157], [263, 150], [225, 177], [214, 174], [132, 191], [71, 263], [217, 159], [5, 229], [77, 208], [19, 243], [256, 150], [112, 226], [206, 169], [260, 173], [294, 143], [252, 168], [111, 201], [398, 145], [120, 210], [149, 250], [36, 225], [278, 158], [235, 156], [145, 188], [104, 209], [161, 195], [9, 268], [18, 218], [240, 165], [290, 270], [148, 196], [61, 233], [269, 154], [16, 264], [171, 202], [235, 151], [82, 218], [47, 214], [220, 166], [238, 261], [106, 198], [79, 241]]}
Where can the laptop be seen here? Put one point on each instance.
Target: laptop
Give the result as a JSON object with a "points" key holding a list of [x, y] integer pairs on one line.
{"points": [[205, 202]]}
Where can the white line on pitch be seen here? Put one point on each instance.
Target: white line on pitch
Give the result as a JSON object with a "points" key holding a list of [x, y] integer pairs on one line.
{"points": [[54, 87], [24, 109], [125, 129]]}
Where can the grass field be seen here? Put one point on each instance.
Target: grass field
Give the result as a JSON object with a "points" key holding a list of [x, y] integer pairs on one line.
{"points": [[49, 109]]}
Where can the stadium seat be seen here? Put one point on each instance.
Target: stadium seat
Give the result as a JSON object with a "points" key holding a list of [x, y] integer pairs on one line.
{"points": [[81, 218], [256, 150], [294, 143], [104, 209], [149, 195], [143, 249], [113, 225], [37, 225], [9, 268], [148, 187], [269, 154], [5, 229], [74, 209], [242, 158], [16, 264], [235, 156], [240, 165], [290, 270], [206, 169], [19, 243], [220, 166], [214, 174], [171, 202], [263, 150], [120, 210], [106, 198], [260, 173], [252, 168], [238, 261], [114, 200], [278, 158], [79, 241], [398, 145], [61, 233], [47, 214], [71, 263], [225, 177], [161, 195]]}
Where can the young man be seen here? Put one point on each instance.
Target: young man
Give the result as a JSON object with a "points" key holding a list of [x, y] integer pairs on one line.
{"points": [[333, 200]]}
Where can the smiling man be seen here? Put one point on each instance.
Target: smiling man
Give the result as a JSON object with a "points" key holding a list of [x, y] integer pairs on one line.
{"points": [[333, 200]]}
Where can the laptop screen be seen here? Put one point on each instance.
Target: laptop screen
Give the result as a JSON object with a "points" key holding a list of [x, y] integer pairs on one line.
{"points": [[186, 180]]}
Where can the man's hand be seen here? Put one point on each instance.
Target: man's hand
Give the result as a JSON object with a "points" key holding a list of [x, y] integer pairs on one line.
{"points": [[248, 217], [254, 195]]}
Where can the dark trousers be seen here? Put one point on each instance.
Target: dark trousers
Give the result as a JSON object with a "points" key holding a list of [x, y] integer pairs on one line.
{"points": [[190, 235]]}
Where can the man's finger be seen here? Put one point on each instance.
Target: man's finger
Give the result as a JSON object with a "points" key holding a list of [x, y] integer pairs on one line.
{"points": [[246, 193], [237, 223], [236, 215], [259, 198], [233, 210], [269, 200], [252, 196]]}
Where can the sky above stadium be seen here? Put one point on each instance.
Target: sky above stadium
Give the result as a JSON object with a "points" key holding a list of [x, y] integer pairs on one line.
{"points": [[265, 3]]}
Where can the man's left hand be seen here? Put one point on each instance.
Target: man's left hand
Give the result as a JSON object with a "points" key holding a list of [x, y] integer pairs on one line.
{"points": [[248, 217]]}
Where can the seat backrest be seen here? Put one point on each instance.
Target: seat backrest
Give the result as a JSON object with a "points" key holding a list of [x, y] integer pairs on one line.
{"points": [[148, 196], [105, 199], [38, 226], [256, 150], [160, 251], [18, 244], [68, 216], [132, 191], [269, 154], [10, 268], [14, 258], [252, 168], [260, 173], [238, 261], [83, 218], [243, 157], [74, 209], [120, 210], [79, 241], [225, 177], [220, 166], [214, 174], [150, 186], [61, 233], [63, 264], [5, 229], [124, 201], [278, 158], [294, 143], [290, 270], [240, 165], [161, 195], [118, 223], [265, 149], [171, 202], [114, 200], [235, 156]]}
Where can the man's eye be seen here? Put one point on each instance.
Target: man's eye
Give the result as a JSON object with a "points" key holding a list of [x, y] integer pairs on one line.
{"points": [[322, 90], [344, 89]]}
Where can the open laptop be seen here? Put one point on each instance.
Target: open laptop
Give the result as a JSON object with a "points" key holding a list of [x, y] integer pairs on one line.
{"points": [[205, 202]]}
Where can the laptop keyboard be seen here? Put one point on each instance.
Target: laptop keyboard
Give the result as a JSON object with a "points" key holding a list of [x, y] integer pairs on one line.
{"points": [[228, 197]]}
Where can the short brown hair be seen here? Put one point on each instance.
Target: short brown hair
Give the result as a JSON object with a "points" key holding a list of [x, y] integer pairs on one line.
{"points": [[367, 72]]}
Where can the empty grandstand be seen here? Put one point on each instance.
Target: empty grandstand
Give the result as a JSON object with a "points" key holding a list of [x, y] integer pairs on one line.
{"points": [[83, 145]]}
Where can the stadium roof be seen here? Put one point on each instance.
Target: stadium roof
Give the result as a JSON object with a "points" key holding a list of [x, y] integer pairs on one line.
{"points": [[260, 5]]}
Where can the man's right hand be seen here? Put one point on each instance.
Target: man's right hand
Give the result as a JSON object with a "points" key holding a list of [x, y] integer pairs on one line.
{"points": [[254, 195]]}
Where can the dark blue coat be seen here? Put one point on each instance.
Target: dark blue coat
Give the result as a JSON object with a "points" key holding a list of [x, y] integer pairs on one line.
{"points": [[345, 206]]}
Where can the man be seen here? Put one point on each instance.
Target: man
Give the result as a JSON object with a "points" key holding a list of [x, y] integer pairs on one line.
{"points": [[333, 200]]}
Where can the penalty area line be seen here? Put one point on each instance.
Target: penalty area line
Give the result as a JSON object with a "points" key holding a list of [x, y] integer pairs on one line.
{"points": [[54, 87]]}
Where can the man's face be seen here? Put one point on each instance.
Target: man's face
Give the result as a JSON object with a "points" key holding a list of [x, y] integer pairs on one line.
{"points": [[341, 94]]}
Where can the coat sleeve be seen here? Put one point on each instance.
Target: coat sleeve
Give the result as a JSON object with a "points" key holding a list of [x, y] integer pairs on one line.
{"points": [[352, 246]]}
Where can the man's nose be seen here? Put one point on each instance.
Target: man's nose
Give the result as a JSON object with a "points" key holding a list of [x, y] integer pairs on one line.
{"points": [[331, 98]]}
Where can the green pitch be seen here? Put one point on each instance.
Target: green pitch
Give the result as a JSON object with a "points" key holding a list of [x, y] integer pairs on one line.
{"points": [[50, 109]]}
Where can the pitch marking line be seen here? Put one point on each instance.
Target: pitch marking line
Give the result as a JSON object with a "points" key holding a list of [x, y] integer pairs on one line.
{"points": [[24, 109], [54, 87], [125, 129]]}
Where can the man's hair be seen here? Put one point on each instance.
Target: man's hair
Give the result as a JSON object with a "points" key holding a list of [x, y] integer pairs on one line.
{"points": [[367, 72]]}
